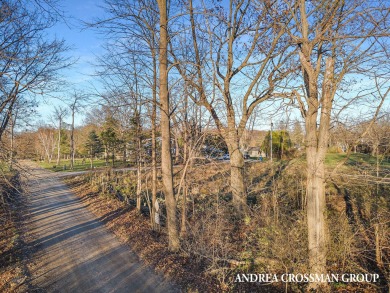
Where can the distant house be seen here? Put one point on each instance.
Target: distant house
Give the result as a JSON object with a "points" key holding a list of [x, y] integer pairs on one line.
{"points": [[211, 151], [255, 152]]}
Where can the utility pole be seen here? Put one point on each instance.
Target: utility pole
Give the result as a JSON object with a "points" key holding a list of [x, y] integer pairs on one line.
{"points": [[271, 140]]}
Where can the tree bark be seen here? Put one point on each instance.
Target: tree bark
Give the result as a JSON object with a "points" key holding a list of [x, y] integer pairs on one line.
{"points": [[177, 148], [317, 143], [237, 177], [59, 142], [316, 209], [154, 156], [72, 149], [91, 157], [139, 173], [166, 156], [237, 165], [11, 157], [183, 227]]}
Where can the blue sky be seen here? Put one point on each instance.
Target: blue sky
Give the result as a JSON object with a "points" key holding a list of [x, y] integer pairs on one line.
{"points": [[85, 45]]}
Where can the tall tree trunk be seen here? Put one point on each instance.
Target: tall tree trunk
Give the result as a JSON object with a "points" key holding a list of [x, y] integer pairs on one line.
{"points": [[91, 157], [166, 156], [154, 156], [185, 131], [316, 206], [237, 168], [317, 143], [59, 142], [177, 148], [8, 115], [183, 227], [316, 209], [237, 177], [185, 143], [139, 187], [72, 150], [11, 157], [124, 159], [281, 145], [186, 157], [106, 154]]}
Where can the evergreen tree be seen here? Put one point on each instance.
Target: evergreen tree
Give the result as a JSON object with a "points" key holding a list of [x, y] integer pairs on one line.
{"points": [[64, 142], [93, 145], [281, 143], [110, 141]]}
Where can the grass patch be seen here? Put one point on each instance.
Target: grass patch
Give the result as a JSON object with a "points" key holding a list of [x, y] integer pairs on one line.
{"points": [[80, 165], [356, 159], [4, 168]]}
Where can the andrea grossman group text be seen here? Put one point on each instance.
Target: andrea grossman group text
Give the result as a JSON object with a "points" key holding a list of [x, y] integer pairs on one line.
{"points": [[306, 278]]}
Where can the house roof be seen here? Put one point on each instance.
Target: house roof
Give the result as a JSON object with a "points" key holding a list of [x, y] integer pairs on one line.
{"points": [[254, 149]]}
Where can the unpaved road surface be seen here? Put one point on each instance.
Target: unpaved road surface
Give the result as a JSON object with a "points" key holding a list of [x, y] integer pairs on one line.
{"points": [[73, 251]]}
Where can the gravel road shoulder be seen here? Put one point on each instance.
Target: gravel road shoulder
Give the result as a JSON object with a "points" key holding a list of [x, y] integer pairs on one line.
{"points": [[73, 251]]}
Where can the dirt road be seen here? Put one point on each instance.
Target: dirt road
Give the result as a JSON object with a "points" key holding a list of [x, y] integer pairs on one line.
{"points": [[73, 251]]}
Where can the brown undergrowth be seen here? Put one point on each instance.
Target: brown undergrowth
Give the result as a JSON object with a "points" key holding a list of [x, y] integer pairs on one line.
{"points": [[270, 239], [14, 276], [215, 246]]}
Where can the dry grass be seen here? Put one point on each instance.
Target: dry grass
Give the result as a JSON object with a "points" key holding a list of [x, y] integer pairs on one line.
{"points": [[14, 276], [270, 239]]}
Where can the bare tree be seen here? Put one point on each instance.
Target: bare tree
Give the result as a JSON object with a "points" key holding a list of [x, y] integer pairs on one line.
{"points": [[229, 44], [166, 156], [46, 138], [29, 63], [77, 101], [133, 31], [59, 114], [334, 39]]}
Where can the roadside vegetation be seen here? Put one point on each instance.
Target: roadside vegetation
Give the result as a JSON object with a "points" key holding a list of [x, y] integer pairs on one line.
{"points": [[356, 159], [13, 270], [216, 245], [80, 165], [332, 160]]}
